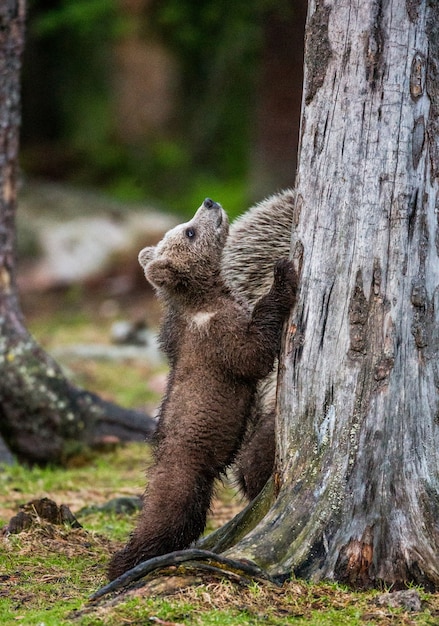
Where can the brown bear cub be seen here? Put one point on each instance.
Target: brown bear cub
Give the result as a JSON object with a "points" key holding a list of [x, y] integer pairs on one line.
{"points": [[218, 350]]}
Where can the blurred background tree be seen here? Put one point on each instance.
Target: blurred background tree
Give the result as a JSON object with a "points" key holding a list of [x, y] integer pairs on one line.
{"points": [[164, 100]]}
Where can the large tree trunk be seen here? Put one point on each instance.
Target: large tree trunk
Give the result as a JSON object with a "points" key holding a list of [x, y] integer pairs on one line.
{"points": [[42, 416], [358, 397]]}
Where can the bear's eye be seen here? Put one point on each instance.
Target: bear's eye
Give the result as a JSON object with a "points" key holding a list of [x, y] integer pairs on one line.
{"points": [[190, 233]]}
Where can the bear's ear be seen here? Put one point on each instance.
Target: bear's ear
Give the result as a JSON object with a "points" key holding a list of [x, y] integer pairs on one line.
{"points": [[161, 273], [146, 255]]}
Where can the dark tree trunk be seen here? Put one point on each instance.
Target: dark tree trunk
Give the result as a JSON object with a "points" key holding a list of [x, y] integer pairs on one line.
{"points": [[358, 403], [42, 416]]}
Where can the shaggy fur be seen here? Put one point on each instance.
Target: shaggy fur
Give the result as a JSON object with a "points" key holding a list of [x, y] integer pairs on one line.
{"points": [[256, 239], [218, 350]]}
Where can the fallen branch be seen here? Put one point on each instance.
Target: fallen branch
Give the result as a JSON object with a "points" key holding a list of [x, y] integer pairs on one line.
{"points": [[43, 417], [205, 560]]}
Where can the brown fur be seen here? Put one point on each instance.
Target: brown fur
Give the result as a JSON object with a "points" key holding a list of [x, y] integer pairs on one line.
{"points": [[218, 350], [254, 462]]}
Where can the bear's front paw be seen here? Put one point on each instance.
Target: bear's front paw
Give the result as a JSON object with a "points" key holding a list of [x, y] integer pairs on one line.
{"points": [[285, 281]]}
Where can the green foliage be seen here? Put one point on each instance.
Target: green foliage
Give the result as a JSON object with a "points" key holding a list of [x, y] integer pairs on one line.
{"points": [[83, 18], [217, 45], [230, 193], [73, 325]]}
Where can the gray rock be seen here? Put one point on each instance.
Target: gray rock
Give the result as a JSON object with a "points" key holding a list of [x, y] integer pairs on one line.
{"points": [[81, 235], [125, 332], [150, 353], [408, 599]]}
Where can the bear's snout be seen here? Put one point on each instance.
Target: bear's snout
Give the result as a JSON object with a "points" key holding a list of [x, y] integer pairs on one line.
{"points": [[210, 204]]}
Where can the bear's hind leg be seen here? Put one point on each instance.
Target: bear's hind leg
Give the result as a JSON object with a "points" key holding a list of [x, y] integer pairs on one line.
{"points": [[173, 516], [254, 462]]}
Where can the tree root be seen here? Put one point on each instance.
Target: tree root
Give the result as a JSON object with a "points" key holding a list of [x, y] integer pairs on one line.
{"points": [[239, 571], [234, 530]]}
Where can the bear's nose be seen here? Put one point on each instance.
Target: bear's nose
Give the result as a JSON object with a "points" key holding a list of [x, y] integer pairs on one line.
{"points": [[210, 204]]}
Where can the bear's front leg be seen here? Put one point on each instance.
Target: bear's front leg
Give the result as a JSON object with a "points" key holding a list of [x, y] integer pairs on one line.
{"points": [[174, 513], [251, 352], [282, 296]]}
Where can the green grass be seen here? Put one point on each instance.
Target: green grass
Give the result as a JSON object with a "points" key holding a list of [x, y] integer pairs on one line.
{"points": [[47, 580], [92, 479], [48, 573]]}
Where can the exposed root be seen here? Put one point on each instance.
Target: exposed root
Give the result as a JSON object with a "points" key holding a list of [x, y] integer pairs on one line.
{"points": [[238, 571]]}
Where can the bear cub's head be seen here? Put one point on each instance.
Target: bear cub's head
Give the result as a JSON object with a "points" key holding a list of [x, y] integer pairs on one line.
{"points": [[189, 255]]}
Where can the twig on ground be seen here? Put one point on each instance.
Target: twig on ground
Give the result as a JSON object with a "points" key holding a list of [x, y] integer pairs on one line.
{"points": [[204, 558]]}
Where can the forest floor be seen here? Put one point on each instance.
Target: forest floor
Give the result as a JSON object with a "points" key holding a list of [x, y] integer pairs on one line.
{"points": [[48, 572]]}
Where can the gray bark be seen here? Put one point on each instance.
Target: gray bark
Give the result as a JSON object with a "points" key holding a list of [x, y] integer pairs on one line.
{"points": [[358, 408], [42, 416]]}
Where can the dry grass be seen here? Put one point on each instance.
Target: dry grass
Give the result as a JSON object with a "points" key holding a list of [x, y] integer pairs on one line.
{"points": [[51, 564]]}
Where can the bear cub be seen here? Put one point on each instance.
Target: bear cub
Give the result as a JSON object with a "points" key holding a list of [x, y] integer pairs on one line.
{"points": [[218, 350]]}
